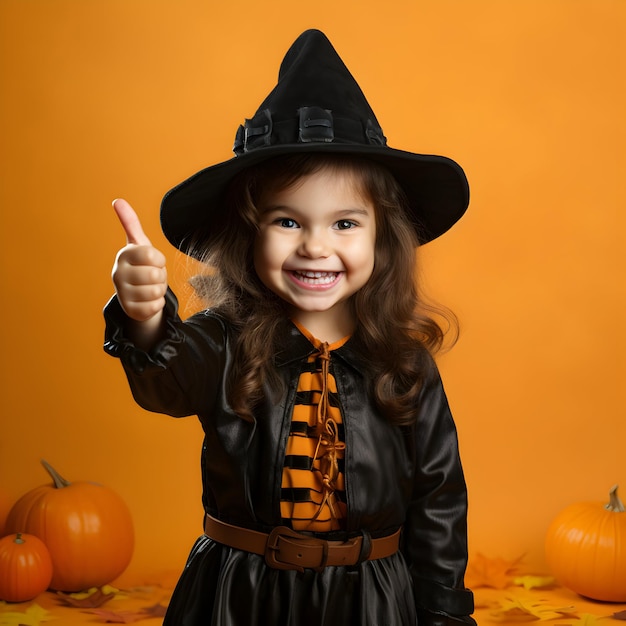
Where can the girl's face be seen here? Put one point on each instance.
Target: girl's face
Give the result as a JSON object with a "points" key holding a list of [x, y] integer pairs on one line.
{"points": [[315, 248]]}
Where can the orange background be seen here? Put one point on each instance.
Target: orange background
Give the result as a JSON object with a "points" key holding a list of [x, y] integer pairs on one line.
{"points": [[126, 98]]}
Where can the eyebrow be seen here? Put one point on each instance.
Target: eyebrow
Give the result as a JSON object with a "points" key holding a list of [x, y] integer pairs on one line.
{"points": [[356, 211], [340, 213]]}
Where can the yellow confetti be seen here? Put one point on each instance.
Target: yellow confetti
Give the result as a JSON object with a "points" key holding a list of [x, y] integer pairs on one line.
{"points": [[105, 589]]}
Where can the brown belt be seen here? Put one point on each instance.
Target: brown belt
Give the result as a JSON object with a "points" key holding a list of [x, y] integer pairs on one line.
{"points": [[284, 548]]}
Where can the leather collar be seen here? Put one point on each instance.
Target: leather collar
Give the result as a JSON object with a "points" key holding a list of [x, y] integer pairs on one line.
{"points": [[294, 346]]}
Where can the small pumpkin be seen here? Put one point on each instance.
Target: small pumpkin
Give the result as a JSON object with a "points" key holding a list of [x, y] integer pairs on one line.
{"points": [[87, 528], [25, 567], [586, 549]]}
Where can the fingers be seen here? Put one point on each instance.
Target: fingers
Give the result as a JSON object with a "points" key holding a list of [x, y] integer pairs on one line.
{"points": [[140, 282], [130, 223], [141, 303], [139, 272], [148, 256], [141, 267]]}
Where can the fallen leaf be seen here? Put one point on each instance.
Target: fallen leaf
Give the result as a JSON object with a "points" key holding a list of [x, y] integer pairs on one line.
{"points": [[534, 582], [156, 610], [93, 600], [519, 609], [32, 616], [586, 619], [119, 617], [128, 617], [496, 572]]}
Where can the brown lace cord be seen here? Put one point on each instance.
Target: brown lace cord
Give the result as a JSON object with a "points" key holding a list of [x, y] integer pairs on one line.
{"points": [[328, 439]]}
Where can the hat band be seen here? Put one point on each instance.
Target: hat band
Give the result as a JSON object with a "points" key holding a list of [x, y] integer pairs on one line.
{"points": [[312, 125]]}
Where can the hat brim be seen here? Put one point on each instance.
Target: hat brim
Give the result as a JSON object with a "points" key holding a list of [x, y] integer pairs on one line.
{"points": [[436, 188]]}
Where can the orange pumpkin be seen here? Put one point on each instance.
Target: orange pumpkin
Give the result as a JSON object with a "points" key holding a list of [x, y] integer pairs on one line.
{"points": [[586, 549], [25, 567], [86, 527]]}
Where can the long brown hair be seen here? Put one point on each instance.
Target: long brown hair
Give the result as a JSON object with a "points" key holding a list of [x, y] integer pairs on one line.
{"points": [[393, 320]]}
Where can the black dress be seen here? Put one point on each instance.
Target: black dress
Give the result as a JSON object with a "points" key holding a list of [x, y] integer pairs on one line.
{"points": [[394, 477]]}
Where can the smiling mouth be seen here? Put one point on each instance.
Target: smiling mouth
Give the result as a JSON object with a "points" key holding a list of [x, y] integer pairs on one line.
{"points": [[316, 278]]}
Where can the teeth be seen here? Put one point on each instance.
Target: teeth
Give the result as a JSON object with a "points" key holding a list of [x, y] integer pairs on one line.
{"points": [[317, 277]]}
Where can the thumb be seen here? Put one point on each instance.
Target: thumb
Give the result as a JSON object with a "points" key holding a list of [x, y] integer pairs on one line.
{"points": [[130, 223]]}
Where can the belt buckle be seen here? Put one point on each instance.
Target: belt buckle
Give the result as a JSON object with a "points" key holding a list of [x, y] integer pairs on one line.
{"points": [[272, 549]]}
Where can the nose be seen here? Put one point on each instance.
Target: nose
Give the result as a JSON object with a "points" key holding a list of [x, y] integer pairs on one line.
{"points": [[314, 245]]}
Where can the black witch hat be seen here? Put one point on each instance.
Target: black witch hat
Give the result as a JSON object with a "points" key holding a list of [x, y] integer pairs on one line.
{"points": [[317, 106]]}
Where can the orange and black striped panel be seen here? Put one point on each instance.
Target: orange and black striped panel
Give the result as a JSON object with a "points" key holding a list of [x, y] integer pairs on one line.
{"points": [[302, 490]]}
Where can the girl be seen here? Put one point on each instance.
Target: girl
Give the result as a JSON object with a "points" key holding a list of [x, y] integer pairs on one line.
{"points": [[332, 484]]}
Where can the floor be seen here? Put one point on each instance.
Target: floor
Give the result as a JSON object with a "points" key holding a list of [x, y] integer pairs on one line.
{"points": [[553, 605], [515, 604]]}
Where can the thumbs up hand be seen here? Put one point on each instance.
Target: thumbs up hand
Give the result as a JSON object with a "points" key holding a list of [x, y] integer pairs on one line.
{"points": [[139, 273]]}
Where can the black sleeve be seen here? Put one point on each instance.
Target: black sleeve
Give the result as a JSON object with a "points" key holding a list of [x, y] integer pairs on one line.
{"points": [[181, 375], [435, 533]]}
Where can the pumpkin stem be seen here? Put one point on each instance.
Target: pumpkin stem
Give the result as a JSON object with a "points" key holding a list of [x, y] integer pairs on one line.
{"points": [[614, 504], [59, 481], [18, 538]]}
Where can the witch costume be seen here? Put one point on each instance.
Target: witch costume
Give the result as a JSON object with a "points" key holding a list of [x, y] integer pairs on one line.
{"points": [[399, 553]]}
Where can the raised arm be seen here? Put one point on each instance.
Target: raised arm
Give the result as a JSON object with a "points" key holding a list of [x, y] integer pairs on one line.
{"points": [[140, 280]]}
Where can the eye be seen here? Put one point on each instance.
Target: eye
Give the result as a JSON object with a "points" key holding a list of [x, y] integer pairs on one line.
{"points": [[286, 222], [345, 224]]}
